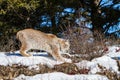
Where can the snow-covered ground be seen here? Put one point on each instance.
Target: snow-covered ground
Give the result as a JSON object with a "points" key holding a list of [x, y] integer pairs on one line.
{"points": [[61, 76], [42, 58]]}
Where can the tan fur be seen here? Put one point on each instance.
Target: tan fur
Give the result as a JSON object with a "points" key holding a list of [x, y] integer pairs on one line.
{"points": [[34, 39], [64, 45]]}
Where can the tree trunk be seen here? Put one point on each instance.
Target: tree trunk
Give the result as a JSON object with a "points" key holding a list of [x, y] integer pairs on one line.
{"points": [[55, 29], [96, 21]]}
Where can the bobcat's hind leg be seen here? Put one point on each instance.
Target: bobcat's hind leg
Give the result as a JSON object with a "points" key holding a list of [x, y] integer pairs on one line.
{"points": [[23, 51]]}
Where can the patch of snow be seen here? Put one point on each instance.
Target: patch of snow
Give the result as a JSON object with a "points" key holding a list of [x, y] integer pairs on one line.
{"points": [[68, 60], [61, 76], [105, 61], [83, 64], [15, 58], [112, 51]]}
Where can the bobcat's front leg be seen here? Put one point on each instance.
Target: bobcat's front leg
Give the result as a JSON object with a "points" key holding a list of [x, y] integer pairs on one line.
{"points": [[56, 54]]}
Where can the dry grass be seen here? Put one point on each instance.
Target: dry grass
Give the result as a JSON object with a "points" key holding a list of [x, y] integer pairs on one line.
{"points": [[82, 44], [10, 72], [9, 44], [110, 74]]}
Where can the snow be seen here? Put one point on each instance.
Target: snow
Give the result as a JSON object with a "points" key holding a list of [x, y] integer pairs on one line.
{"points": [[112, 51], [107, 61], [104, 61], [61, 76], [15, 58]]}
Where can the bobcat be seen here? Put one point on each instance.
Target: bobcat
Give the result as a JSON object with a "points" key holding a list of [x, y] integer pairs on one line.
{"points": [[34, 39]]}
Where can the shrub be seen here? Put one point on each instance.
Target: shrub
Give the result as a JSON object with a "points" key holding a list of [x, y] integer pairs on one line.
{"points": [[83, 44]]}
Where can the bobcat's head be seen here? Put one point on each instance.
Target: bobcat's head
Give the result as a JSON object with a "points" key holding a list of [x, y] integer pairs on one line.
{"points": [[64, 46]]}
